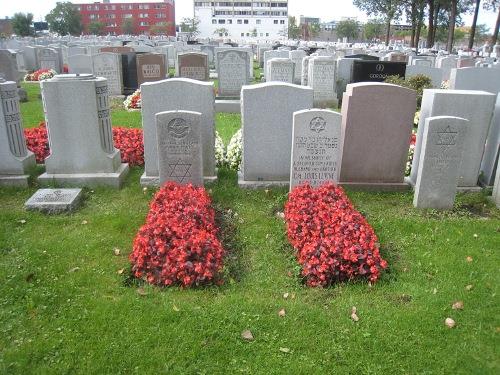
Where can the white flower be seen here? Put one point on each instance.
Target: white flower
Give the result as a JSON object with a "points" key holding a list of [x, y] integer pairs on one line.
{"points": [[445, 85], [235, 150], [220, 151], [128, 103]]}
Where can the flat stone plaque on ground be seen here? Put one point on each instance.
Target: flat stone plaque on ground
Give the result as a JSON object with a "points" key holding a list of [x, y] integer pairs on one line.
{"points": [[54, 200], [439, 166], [316, 148], [179, 147]]}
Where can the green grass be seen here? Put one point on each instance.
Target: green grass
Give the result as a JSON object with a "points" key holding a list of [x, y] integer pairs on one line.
{"points": [[32, 110], [65, 309]]}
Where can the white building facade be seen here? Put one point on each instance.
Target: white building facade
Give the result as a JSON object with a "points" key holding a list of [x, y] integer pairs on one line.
{"points": [[243, 20]]}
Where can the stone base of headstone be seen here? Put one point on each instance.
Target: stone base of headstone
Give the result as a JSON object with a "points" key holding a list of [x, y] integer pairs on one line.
{"points": [[114, 180], [227, 106], [384, 187], [326, 104], [260, 184], [460, 189], [14, 180], [54, 201], [152, 181]]}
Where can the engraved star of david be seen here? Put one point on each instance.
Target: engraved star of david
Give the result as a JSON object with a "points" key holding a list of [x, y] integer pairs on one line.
{"points": [[180, 171], [447, 137], [318, 124]]}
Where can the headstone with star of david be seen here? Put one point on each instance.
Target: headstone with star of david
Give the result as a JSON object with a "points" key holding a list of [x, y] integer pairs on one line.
{"points": [[316, 147], [179, 147], [439, 165]]}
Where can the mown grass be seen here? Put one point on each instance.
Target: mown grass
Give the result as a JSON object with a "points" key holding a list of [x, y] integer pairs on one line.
{"points": [[65, 308]]}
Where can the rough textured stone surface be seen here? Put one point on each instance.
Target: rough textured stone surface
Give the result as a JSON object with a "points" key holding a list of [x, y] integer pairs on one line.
{"points": [[193, 65], [296, 57], [322, 80], [81, 140], [316, 147], [170, 95], [272, 54], [8, 65], [377, 119], [54, 201], [267, 118], [439, 164], [475, 106], [232, 72], [280, 70], [150, 67], [179, 147], [109, 66], [49, 59]]}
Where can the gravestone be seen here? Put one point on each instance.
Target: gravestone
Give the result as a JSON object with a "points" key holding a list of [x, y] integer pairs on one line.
{"points": [[475, 106], [81, 140], [129, 72], [316, 148], [30, 58], [447, 63], [15, 159], [54, 201], [496, 188], [116, 49], [76, 50], [210, 52], [296, 57], [273, 54], [362, 56], [150, 68], [260, 54], [49, 59], [8, 65], [267, 118], [177, 94], [322, 80], [491, 154], [376, 71], [439, 164], [435, 74], [193, 65], [377, 120], [179, 147], [397, 57], [80, 64], [280, 70], [232, 72], [484, 79], [466, 62], [109, 66], [304, 80]]}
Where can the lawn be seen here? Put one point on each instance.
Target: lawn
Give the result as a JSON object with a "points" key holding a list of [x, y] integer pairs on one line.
{"points": [[68, 304]]}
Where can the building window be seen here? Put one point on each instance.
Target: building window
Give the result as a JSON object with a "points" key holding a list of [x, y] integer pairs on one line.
{"points": [[214, 22], [221, 22], [230, 22], [242, 34], [143, 15], [267, 34], [89, 7], [239, 22], [257, 22], [143, 23], [248, 34], [275, 22], [161, 15], [245, 22], [128, 15], [282, 22]]}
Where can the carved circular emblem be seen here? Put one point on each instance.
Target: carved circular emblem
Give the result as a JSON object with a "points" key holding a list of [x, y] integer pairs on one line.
{"points": [[380, 67], [178, 128], [317, 124]]}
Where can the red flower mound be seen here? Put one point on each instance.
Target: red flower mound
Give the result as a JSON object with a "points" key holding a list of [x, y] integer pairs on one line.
{"points": [[37, 142], [129, 142], [333, 241], [178, 245]]}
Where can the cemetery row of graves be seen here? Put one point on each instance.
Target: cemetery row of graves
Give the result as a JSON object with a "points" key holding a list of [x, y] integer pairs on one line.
{"points": [[187, 185]]}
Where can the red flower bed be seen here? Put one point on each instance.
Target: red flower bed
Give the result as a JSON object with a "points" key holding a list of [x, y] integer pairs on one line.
{"points": [[178, 245], [38, 142], [333, 241], [128, 141]]}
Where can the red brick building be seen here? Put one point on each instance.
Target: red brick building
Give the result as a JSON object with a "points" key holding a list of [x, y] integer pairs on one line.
{"points": [[142, 18]]}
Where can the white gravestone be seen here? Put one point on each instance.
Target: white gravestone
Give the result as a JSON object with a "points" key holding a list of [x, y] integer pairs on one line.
{"points": [[15, 159], [179, 147], [316, 147], [232, 72], [296, 57], [322, 81], [79, 126], [496, 188], [109, 66], [439, 164], [280, 70], [491, 156], [80, 64]]}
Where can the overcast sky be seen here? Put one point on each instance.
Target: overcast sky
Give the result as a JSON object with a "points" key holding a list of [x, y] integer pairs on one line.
{"points": [[327, 10]]}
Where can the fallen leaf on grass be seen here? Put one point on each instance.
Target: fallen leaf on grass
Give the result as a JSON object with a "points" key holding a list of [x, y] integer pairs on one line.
{"points": [[354, 315], [120, 271], [74, 269], [141, 291], [450, 323], [475, 235], [116, 251], [469, 259], [469, 287], [176, 309], [280, 215], [85, 222], [458, 305], [22, 221], [247, 335], [285, 296], [285, 350], [281, 313]]}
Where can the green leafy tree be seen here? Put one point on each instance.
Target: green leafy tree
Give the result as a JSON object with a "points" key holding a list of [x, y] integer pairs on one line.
{"points": [[347, 29], [65, 19], [21, 24], [221, 31], [96, 28], [128, 26], [160, 29], [314, 29], [388, 10], [373, 29], [419, 83], [293, 28], [191, 26]]}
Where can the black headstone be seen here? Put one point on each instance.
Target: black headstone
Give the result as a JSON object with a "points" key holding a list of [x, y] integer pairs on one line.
{"points": [[376, 71], [363, 57], [129, 71]]}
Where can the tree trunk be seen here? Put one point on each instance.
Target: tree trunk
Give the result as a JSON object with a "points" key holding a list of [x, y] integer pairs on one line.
{"points": [[420, 23], [451, 29], [437, 8], [413, 23], [494, 38], [430, 31], [474, 24], [388, 32]]}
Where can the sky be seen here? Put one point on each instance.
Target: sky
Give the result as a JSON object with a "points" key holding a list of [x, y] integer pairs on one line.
{"points": [[327, 10]]}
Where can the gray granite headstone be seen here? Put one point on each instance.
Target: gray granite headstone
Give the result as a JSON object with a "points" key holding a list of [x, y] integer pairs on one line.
{"points": [[322, 80], [179, 147], [232, 72], [8, 65], [496, 188], [304, 71], [280, 70], [109, 66], [80, 64], [316, 147], [193, 65], [49, 59], [439, 164], [54, 200], [296, 57], [491, 156], [484, 79]]}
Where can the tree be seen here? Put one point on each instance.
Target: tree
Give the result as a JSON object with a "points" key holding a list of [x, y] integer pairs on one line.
{"points": [[495, 6], [293, 28], [474, 23], [314, 29], [347, 29], [128, 26], [389, 10], [65, 19], [161, 28], [96, 28], [373, 29], [191, 27], [222, 31], [21, 24], [451, 27]]}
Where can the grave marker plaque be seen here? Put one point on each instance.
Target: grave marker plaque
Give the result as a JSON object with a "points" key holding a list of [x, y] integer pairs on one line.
{"points": [[376, 71]]}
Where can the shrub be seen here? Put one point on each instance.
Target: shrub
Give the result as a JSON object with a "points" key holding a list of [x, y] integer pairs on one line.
{"points": [[37, 142], [333, 241], [418, 83], [178, 245], [130, 143]]}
